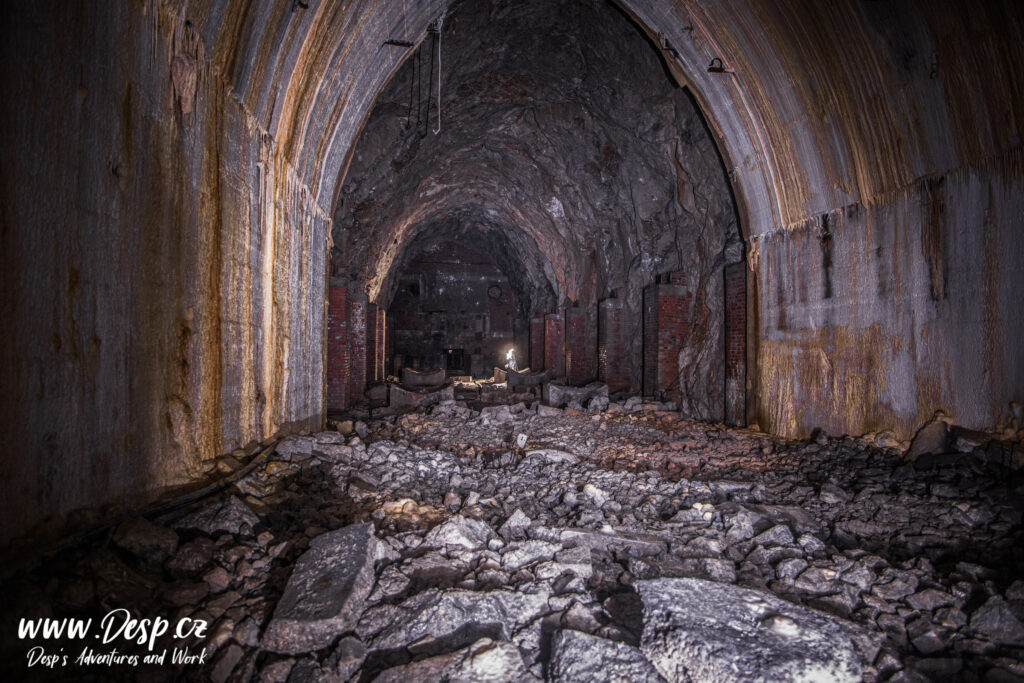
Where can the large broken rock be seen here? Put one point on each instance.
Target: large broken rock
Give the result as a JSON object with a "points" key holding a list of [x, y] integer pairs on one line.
{"points": [[146, 540], [424, 378], [326, 591], [404, 398], [435, 621], [485, 660], [933, 437], [696, 630], [551, 456], [230, 516], [377, 392], [576, 656], [525, 378], [459, 531], [634, 544], [995, 620], [558, 395]]}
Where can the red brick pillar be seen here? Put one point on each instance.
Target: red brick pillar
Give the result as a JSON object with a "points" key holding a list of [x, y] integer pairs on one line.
{"points": [[337, 346], [613, 361], [554, 355], [666, 319], [382, 343], [577, 365], [371, 343], [356, 346], [537, 344], [736, 344]]}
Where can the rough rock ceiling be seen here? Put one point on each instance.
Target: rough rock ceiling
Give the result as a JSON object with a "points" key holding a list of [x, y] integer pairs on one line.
{"points": [[827, 103], [562, 140]]}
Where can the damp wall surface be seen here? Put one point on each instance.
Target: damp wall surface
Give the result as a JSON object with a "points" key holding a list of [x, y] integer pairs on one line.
{"points": [[872, 318], [163, 265], [903, 123]]}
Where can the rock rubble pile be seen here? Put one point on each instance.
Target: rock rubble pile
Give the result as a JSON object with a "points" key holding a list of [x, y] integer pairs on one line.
{"points": [[521, 543]]}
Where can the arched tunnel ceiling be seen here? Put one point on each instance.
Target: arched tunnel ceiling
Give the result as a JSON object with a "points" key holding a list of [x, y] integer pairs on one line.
{"points": [[559, 131], [827, 103]]}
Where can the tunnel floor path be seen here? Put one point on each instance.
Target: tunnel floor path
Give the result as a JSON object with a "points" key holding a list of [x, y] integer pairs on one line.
{"points": [[524, 542]]}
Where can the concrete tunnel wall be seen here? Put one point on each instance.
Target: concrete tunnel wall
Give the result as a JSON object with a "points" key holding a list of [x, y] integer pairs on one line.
{"points": [[168, 167]]}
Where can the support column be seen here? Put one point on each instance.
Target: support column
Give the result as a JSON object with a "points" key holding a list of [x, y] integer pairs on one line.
{"points": [[554, 354], [736, 344], [666, 320], [382, 341], [371, 343], [337, 346], [613, 362], [577, 367], [356, 346], [537, 344]]}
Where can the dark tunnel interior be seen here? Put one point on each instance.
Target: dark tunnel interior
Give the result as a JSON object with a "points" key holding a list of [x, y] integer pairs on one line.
{"points": [[568, 155], [512, 340]]}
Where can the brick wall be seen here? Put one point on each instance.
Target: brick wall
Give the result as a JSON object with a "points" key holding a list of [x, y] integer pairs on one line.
{"points": [[382, 344], [371, 343], [613, 360], [735, 344], [673, 321], [356, 345], [389, 345], [554, 354], [577, 355], [537, 344], [451, 298], [337, 347], [666, 320], [649, 384]]}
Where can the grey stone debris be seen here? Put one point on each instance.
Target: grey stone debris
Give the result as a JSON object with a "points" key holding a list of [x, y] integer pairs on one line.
{"points": [[459, 531], [146, 540], [325, 592], [230, 516], [552, 456], [996, 621], [578, 656], [404, 398], [933, 437], [423, 378], [559, 395], [431, 618], [442, 593], [485, 661], [697, 630], [515, 526]]}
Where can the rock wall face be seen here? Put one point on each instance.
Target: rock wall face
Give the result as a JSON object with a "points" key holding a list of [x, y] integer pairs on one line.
{"points": [[163, 265], [563, 139]]}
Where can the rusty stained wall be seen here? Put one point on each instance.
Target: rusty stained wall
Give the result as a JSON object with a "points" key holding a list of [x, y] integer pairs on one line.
{"points": [[873, 318], [163, 266], [897, 110]]}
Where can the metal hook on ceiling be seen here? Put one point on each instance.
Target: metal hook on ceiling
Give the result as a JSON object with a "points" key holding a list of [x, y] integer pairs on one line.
{"points": [[716, 67]]}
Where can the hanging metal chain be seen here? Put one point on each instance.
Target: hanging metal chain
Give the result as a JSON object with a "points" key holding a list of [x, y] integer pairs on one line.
{"points": [[440, 24]]}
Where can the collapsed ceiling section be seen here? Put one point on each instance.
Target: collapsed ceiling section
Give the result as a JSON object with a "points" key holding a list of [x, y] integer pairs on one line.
{"points": [[563, 148]]}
